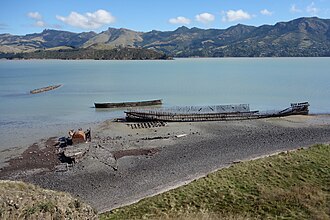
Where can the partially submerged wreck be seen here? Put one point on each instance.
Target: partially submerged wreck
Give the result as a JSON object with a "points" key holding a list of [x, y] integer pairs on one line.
{"points": [[211, 113], [44, 89], [127, 104]]}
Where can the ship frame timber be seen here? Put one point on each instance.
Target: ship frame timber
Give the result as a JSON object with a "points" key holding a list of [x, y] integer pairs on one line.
{"points": [[132, 115], [214, 113]]}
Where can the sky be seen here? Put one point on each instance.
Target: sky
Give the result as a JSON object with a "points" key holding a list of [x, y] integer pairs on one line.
{"points": [[22, 17]]}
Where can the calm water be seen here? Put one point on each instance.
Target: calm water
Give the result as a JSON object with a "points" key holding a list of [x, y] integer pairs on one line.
{"points": [[265, 84]]}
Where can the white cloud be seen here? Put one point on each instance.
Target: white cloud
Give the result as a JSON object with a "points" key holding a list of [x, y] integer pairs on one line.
{"points": [[34, 15], [40, 23], [179, 20], [89, 20], [205, 18], [266, 12], [295, 9], [37, 17], [238, 15], [311, 9]]}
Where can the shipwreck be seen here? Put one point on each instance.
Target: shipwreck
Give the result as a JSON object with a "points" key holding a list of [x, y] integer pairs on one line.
{"points": [[44, 89], [211, 113], [127, 104]]}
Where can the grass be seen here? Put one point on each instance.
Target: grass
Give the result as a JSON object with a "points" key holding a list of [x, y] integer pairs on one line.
{"points": [[291, 185], [19, 200]]}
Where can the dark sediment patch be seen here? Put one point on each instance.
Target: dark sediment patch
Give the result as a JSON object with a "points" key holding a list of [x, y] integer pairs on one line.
{"points": [[154, 138], [34, 157], [135, 152]]}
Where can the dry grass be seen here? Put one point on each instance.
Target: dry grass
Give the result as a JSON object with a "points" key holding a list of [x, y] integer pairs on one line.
{"points": [[19, 200], [291, 185]]}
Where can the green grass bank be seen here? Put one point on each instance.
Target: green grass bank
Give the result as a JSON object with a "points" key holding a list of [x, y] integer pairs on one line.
{"points": [[20, 200], [290, 185]]}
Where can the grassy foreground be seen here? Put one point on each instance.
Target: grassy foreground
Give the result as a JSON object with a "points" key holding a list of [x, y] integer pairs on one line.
{"points": [[19, 200], [291, 185]]}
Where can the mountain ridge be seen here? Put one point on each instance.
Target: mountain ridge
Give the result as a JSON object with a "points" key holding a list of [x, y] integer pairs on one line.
{"points": [[306, 36]]}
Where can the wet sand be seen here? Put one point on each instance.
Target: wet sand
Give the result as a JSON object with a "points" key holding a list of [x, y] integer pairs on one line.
{"points": [[126, 162]]}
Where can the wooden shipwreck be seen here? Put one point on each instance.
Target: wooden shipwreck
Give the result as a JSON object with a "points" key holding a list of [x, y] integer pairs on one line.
{"points": [[127, 104], [44, 89], [211, 113]]}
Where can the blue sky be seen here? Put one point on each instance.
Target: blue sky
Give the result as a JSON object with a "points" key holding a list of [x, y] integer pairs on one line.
{"points": [[30, 16]]}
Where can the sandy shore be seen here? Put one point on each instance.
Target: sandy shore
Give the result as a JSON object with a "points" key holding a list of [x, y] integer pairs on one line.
{"points": [[129, 161]]}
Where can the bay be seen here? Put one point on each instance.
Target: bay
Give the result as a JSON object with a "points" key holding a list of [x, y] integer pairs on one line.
{"points": [[264, 83]]}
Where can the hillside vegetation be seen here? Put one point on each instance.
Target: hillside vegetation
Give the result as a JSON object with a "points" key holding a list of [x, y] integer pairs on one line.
{"points": [[291, 185], [299, 37], [100, 54], [20, 200]]}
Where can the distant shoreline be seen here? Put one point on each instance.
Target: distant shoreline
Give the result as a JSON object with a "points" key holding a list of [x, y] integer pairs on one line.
{"points": [[92, 54], [170, 59]]}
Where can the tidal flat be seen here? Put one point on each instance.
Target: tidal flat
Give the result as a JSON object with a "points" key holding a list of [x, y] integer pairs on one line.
{"points": [[147, 161]]}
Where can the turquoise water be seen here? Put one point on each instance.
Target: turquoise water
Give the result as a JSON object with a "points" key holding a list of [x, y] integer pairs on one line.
{"points": [[265, 84]]}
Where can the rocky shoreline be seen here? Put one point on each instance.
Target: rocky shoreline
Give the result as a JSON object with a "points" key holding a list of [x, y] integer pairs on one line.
{"points": [[126, 162]]}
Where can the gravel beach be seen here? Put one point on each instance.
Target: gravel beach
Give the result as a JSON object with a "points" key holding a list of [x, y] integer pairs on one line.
{"points": [[126, 162]]}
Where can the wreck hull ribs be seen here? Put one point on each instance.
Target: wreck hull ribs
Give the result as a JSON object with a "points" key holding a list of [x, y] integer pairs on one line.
{"points": [[128, 104], [141, 116], [212, 113], [296, 109]]}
